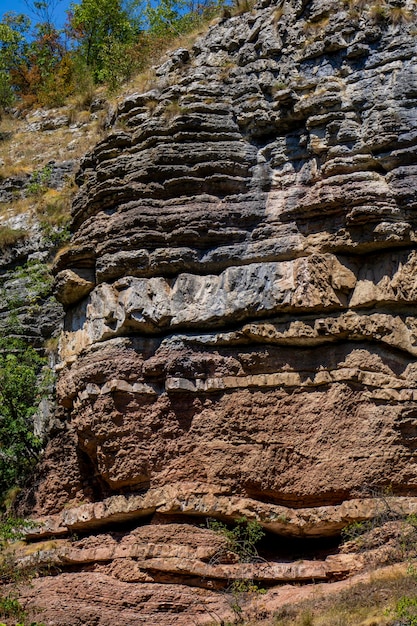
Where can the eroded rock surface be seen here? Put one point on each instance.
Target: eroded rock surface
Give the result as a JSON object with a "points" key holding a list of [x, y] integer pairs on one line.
{"points": [[240, 290]]}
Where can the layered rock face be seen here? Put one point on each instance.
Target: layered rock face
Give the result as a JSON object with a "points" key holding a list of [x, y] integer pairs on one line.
{"points": [[240, 332]]}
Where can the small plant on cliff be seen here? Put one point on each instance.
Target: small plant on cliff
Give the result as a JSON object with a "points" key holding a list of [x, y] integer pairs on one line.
{"points": [[36, 279], [405, 611], [39, 181], [10, 236], [385, 511], [12, 529], [242, 539], [11, 607], [241, 591]]}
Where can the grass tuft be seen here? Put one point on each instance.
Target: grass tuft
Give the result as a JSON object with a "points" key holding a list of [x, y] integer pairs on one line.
{"points": [[11, 236]]}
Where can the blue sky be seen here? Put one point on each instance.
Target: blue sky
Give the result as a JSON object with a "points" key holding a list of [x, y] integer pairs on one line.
{"points": [[19, 6]]}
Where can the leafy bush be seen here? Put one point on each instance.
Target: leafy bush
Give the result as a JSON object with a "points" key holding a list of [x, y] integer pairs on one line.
{"points": [[355, 530], [13, 529], [6, 91], [21, 388], [39, 181], [11, 607], [242, 539], [406, 611]]}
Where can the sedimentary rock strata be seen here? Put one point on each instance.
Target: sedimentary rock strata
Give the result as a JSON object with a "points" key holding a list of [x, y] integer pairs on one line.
{"points": [[240, 290]]}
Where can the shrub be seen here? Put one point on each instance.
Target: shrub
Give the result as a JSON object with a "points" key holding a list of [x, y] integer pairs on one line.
{"points": [[242, 539], [406, 611], [11, 607], [39, 181], [21, 388]]}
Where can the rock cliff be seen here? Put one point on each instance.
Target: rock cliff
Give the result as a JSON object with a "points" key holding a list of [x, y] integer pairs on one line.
{"points": [[240, 331]]}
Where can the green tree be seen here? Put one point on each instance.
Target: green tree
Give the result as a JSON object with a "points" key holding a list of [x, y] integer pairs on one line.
{"points": [[34, 61], [21, 388], [13, 30], [169, 18], [165, 18], [97, 25]]}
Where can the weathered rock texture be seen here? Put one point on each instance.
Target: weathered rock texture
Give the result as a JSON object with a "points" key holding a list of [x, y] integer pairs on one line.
{"points": [[27, 307], [240, 292]]}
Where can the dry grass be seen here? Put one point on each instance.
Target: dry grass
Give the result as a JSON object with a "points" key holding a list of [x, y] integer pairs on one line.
{"points": [[54, 208], [145, 79], [226, 69], [278, 14], [361, 604], [316, 28], [151, 105], [400, 15], [370, 603], [172, 110], [17, 207], [142, 82], [360, 5], [242, 6], [381, 11], [35, 548], [22, 151], [51, 345], [10, 236]]}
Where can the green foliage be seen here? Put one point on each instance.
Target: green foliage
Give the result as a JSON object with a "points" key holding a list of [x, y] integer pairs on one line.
{"points": [[117, 63], [37, 280], [412, 519], [11, 607], [13, 529], [165, 18], [39, 181], [6, 91], [353, 531], [12, 43], [239, 591], [21, 388], [104, 41], [30, 60], [24, 380], [169, 18], [242, 539], [55, 236], [98, 25], [384, 512], [406, 611], [25, 624]]}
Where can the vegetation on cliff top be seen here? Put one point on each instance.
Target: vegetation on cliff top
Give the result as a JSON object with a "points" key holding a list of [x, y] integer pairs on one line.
{"points": [[102, 42]]}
